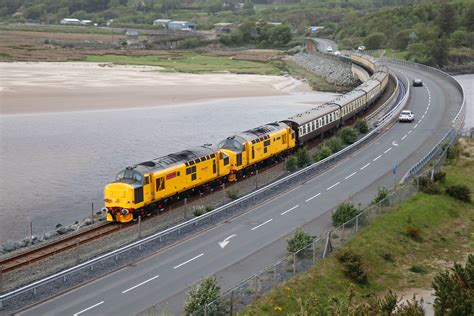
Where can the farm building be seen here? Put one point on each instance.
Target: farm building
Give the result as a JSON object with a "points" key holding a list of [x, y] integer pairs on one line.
{"points": [[181, 26], [132, 34], [162, 22]]}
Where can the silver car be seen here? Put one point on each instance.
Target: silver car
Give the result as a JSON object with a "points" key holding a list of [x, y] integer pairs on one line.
{"points": [[406, 116]]}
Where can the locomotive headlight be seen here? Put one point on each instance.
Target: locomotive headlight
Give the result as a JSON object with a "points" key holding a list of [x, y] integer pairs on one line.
{"points": [[105, 210], [125, 211]]}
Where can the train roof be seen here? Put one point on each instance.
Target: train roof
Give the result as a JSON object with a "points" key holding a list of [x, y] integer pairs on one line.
{"points": [[368, 85], [380, 75], [310, 115], [261, 131], [175, 159], [348, 97]]}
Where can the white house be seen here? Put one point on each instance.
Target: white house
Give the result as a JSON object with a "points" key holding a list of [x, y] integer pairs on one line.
{"points": [[70, 21]]}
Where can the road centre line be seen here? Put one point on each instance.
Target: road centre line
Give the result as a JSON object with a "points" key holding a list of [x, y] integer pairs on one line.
{"points": [[350, 175], [291, 209], [262, 224], [332, 186], [134, 287], [410, 131], [423, 116], [376, 158], [365, 166], [387, 150], [88, 308], [182, 264], [416, 125], [314, 196], [404, 137]]}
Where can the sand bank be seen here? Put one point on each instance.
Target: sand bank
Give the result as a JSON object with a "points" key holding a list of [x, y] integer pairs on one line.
{"points": [[77, 86]]}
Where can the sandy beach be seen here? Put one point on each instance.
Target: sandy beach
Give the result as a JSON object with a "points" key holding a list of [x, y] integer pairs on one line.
{"points": [[75, 86]]}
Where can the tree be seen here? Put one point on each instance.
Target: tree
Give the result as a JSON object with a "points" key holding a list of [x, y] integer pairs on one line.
{"points": [[299, 240], [344, 213], [401, 39], [454, 290], [335, 144], [447, 17], [303, 158], [361, 126], [323, 153], [291, 164], [236, 36], [348, 135], [279, 35], [201, 295], [459, 38], [214, 6], [375, 40], [440, 51]]}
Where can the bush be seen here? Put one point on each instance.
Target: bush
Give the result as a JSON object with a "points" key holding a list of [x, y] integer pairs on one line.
{"points": [[233, 194], [198, 210], [413, 232], [348, 135], [335, 144], [382, 194], [344, 212], [428, 186], [291, 164], [454, 288], [202, 294], [353, 268], [322, 153], [189, 43], [361, 126], [303, 158], [459, 192], [439, 176], [418, 269], [453, 151], [299, 240]]}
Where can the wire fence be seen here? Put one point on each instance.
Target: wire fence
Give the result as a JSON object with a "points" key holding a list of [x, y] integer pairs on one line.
{"points": [[254, 287]]}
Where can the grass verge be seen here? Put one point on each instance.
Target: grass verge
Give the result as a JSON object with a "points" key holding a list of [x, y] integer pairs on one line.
{"points": [[391, 258], [192, 63]]}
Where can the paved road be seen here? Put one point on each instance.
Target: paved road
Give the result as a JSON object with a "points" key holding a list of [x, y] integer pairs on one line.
{"points": [[164, 277], [324, 43]]}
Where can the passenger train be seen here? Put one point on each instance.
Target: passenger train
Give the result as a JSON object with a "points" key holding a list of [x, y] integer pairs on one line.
{"points": [[147, 187]]}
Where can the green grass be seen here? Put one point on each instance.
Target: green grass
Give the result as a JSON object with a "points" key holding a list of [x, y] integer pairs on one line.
{"points": [[192, 63], [56, 29], [391, 258]]}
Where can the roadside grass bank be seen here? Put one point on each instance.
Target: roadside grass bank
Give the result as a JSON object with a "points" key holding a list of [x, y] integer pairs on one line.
{"points": [[401, 250], [191, 63]]}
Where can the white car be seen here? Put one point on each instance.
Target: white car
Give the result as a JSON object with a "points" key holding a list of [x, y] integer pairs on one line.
{"points": [[329, 49], [337, 53], [361, 48], [406, 116]]}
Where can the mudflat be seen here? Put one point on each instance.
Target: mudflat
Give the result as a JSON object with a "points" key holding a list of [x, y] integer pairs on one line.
{"points": [[36, 87]]}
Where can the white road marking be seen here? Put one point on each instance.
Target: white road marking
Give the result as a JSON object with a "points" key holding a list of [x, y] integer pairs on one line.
{"points": [[226, 241], [182, 264], [423, 116], [134, 287], [416, 125], [88, 308], [350, 175], [365, 166], [404, 137], [262, 224], [314, 196], [332, 186], [376, 158], [410, 131], [387, 150], [291, 209]]}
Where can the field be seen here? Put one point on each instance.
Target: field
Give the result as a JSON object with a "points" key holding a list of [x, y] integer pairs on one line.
{"points": [[390, 257]]}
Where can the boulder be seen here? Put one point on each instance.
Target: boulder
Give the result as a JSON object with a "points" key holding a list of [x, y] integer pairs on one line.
{"points": [[61, 230], [9, 245], [59, 225], [49, 235], [22, 244], [88, 221]]}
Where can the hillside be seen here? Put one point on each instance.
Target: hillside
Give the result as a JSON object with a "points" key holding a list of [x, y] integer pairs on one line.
{"points": [[401, 251]]}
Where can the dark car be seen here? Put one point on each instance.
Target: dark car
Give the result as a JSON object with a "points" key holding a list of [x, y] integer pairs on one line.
{"points": [[417, 83]]}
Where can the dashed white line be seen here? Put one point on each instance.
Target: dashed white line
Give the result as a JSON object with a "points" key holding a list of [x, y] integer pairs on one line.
{"points": [[423, 116], [365, 166], [144, 282], [376, 158], [314, 196], [291, 209], [416, 125], [182, 264], [332, 186], [404, 137], [350, 175], [262, 224], [410, 131], [88, 308], [387, 150]]}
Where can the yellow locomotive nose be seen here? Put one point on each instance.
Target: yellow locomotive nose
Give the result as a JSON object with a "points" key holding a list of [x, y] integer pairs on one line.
{"points": [[118, 197]]}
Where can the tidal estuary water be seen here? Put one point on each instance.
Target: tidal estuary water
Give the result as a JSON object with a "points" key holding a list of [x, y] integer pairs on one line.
{"points": [[53, 165]]}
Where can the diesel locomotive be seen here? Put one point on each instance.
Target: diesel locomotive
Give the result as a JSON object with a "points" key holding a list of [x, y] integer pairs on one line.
{"points": [[146, 187]]}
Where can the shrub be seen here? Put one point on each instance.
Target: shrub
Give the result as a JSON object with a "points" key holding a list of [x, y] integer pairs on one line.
{"points": [[428, 186], [453, 289], [299, 240], [453, 151], [233, 194], [291, 164], [413, 232], [202, 294], [189, 43], [348, 135], [198, 210], [353, 268], [209, 208], [412, 307], [344, 212], [335, 144], [418, 269], [303, 158], [322, 153], [459, 192], [382, 194], [439, 176], [361, 126]]}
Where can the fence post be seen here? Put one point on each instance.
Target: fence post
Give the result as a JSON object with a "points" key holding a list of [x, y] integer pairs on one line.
{"points": [[328, 246], [231, 302], [139, 226], [357, 225], [314, 251], [294, 264]]}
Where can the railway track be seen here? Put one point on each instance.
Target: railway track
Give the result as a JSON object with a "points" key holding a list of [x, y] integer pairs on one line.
{"points": [[48, 249]]}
